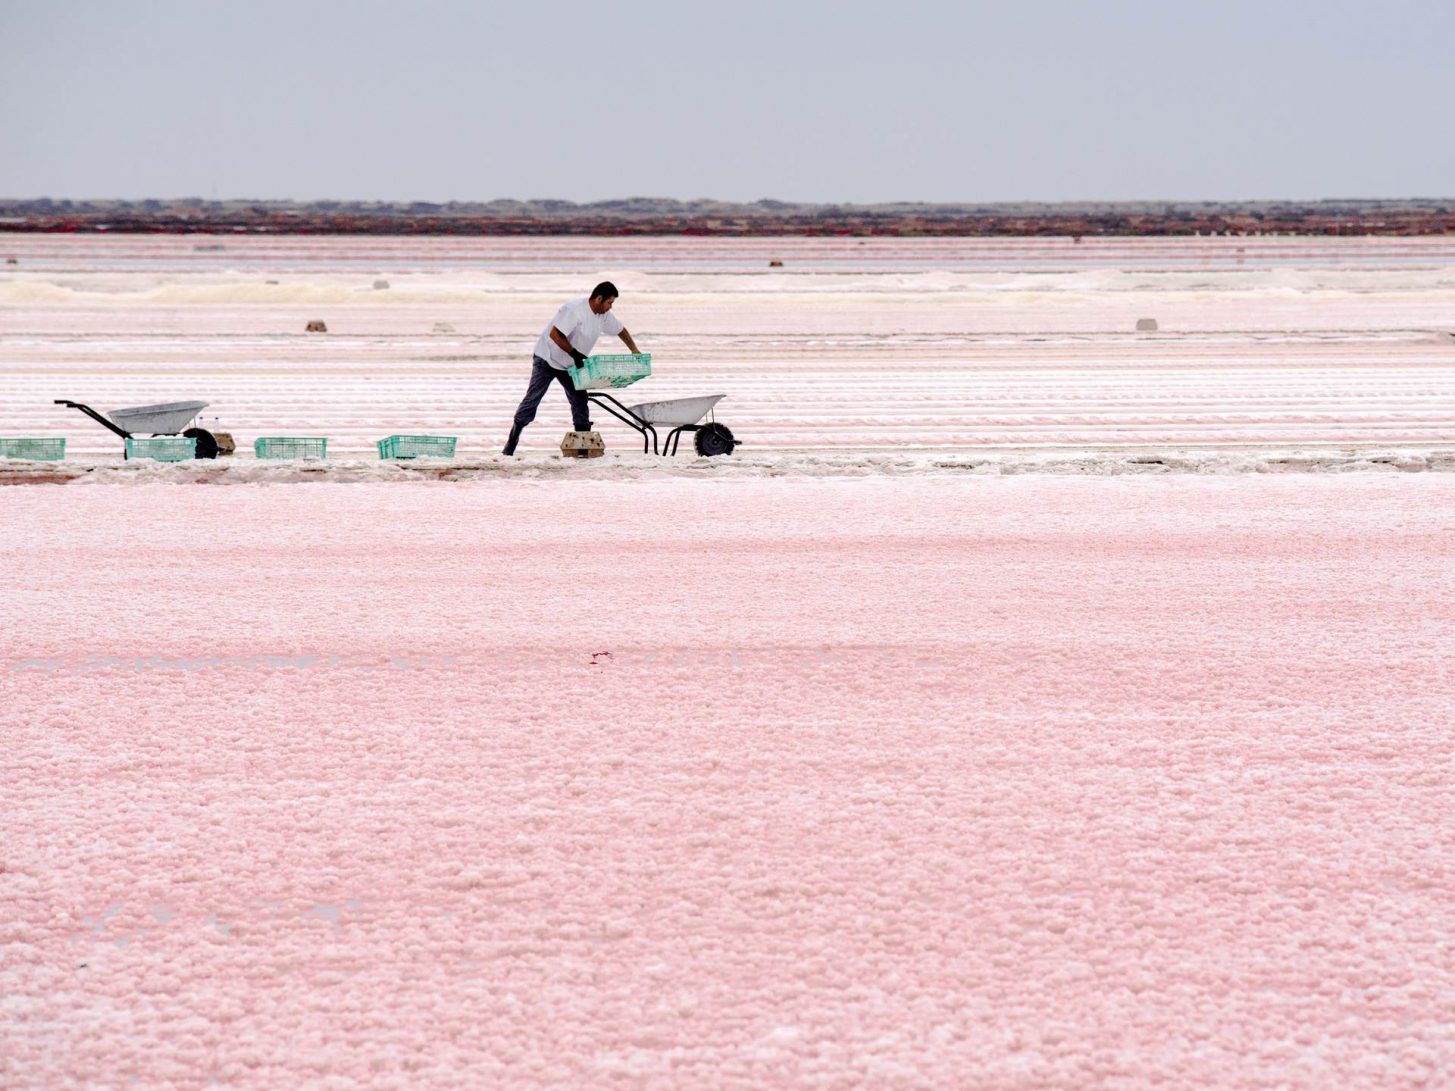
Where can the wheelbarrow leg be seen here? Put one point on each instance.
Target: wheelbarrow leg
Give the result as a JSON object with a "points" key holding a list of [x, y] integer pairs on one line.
{"points": [[644, 428]]}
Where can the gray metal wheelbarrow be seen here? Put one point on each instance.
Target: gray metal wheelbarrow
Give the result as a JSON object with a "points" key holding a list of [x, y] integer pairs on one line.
{"points": [[678, 414], [166, 419]]}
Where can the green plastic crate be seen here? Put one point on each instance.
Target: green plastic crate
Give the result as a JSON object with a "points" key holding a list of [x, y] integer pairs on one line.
{"points": [[291, 447], [616, 371], [162, 448], [417, 447], [44, 450]]}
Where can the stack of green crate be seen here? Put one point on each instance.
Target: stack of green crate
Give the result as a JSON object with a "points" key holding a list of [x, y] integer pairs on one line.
{"points": [[162, 448], [291, 447], [417, 447], [40, 450]]}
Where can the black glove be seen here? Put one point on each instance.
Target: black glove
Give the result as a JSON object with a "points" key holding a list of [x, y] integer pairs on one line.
{"points": [[579, 357]]}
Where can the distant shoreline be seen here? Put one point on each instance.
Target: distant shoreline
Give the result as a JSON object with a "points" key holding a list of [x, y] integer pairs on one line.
{"points": [[652, 216]]}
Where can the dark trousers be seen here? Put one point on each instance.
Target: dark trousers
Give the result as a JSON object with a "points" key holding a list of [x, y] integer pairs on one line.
{"points": [[541, 374]]}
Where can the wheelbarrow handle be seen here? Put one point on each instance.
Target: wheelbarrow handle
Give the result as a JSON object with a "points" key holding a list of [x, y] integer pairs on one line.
{"points": [[97, 417]]}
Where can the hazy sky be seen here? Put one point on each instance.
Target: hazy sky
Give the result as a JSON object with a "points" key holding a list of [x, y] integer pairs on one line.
{"points": [[846, 101]]}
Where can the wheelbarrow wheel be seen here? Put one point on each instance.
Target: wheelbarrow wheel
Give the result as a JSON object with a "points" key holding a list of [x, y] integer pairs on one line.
{"points": [[206, 442], [715, 439]]}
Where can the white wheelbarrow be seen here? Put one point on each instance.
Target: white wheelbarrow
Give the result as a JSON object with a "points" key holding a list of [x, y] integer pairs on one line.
{"points": [[680, 414], [165, 419]]}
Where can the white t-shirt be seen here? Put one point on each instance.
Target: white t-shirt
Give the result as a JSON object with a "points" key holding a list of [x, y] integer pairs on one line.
{"points": [[582, 327]]}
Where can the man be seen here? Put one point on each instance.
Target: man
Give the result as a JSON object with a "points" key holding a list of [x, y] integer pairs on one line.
{"points": [[564, 344]]}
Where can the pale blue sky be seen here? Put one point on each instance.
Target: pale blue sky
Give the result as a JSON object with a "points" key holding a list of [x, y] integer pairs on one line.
{"points": [[811, 101]]}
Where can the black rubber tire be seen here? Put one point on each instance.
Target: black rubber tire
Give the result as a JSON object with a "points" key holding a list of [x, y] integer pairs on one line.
{"points": [[714, 439], [206, 442]]}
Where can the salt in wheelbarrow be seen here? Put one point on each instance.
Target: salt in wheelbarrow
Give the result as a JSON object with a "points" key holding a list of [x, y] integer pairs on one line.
{"points": [[678, 414], [166, 419]]}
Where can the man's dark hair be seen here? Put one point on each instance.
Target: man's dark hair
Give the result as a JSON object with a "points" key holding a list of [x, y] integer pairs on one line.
{"points": [[605, 290]]}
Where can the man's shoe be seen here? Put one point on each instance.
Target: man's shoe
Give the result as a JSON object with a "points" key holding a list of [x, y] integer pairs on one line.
{"points": [[510, 442]]}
